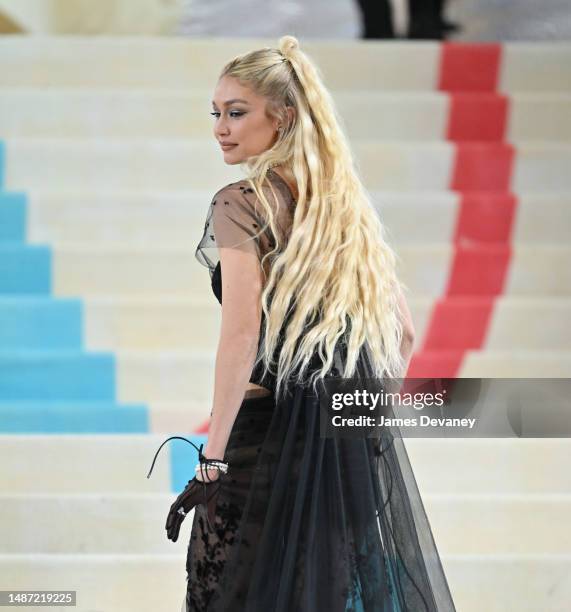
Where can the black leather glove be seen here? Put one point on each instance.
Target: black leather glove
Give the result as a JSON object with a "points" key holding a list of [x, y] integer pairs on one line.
{"points": [[195, 493]]}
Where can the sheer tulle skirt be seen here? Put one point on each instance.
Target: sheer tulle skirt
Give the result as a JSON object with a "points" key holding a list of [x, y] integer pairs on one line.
{"points": [[310, 524]]}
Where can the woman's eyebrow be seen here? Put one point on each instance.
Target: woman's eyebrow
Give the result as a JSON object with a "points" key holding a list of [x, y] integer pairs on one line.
{"points": [[232, 101]]}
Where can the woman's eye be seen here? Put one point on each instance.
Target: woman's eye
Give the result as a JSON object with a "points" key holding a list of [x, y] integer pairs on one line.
{"points": [[232, 114]]}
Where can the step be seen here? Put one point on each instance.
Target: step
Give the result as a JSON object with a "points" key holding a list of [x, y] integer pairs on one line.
{"points": [[483, 524], [41, 464], [70, 523], [170, 218], [45, 417], [497, 583], [103, 583], [510, 323], [118, 323], [173, 63], [519, 363], [13, 214], [498, 465], [400, 115], [534, 66], [159, 415], [40, 322], [172, 376], [25, 269], [530, 324], [143, 376], [91, 417], [151, 582], [532, 271], [108, 323], [165, 323], [183, 165], [529, 420], [187, 375], [88, 271], [152, 323], [161, 62], [58, 463], [57, 375], [535, 116], [506, 363]]}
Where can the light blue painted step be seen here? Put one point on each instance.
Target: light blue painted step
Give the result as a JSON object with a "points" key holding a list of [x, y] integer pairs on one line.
{"points": [[13, 218], [31, 322], [57, 375], [25, 269], [20, 417]]}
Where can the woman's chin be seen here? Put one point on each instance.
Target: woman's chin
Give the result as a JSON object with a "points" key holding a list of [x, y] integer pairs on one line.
{"points": [[232, 161]]}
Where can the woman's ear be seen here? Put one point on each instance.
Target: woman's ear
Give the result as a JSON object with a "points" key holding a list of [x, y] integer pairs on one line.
{"points": [[291, 115]]}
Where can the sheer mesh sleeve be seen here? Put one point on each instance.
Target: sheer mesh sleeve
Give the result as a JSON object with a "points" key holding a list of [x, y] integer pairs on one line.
{"points": [[234, 220]]}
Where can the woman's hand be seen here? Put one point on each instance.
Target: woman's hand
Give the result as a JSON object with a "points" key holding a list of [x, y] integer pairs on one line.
{"points": [[195, 493], [199, 491]]}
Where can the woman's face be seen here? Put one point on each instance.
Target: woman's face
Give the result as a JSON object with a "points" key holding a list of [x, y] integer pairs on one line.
{"points": [[240, 119]]}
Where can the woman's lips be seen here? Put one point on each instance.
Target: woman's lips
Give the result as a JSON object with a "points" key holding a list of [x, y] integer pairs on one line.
{"points": [[226, 147]]}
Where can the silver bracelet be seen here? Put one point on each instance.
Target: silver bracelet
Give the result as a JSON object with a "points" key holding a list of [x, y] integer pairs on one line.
{"points": [[217, 465]]}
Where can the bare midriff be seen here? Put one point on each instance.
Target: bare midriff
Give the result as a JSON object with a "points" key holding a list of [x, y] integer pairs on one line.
{"points": [[253, 390]]}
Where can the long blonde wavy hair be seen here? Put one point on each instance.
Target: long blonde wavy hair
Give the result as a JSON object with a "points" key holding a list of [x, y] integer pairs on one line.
{"points": [[336, 269]]}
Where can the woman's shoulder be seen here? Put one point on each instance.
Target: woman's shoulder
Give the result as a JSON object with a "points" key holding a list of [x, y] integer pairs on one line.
{"points": [[244, 190], [236, 189]]}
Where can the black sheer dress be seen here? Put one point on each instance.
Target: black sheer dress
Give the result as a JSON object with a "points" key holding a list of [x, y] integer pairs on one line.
{"points": [[306, 523]]}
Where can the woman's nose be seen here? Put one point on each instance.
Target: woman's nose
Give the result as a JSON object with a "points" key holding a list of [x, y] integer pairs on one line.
{"points": [[221, 128]]}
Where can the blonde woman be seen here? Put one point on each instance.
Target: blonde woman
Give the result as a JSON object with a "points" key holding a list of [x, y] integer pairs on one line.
{"points": [[285, 519]]}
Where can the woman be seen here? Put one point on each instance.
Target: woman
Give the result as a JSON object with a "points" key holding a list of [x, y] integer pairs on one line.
{"points": [[285, 518]]}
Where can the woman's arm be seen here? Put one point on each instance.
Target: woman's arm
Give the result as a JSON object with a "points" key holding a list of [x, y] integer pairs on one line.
{"points": [[407, 342], [242, 284]]}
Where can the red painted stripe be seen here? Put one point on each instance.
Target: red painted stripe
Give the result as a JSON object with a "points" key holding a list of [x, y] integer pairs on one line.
{"points": [[469, 66], [460, 321], [479, 117], [482, 172], [435, 364], [202, 429], [478, 270], [485, 218], [482, 167], [469, 317]]}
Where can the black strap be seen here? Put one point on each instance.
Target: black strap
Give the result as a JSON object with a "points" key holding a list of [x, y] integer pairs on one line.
{"points": [[201, 458]]}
